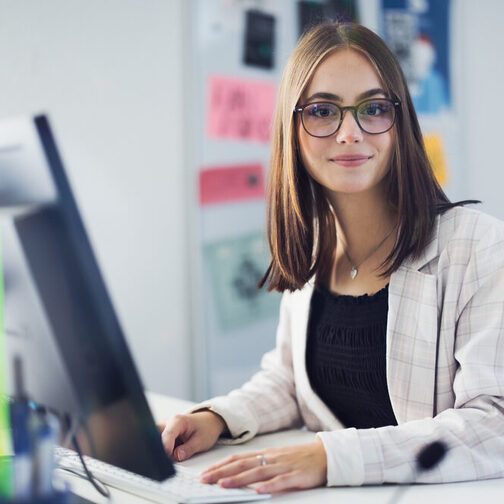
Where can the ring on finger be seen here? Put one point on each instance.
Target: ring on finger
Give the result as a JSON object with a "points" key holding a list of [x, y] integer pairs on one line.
{"points": [[261, 459]]}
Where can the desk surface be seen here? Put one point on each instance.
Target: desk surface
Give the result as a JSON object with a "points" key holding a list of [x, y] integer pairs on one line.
{"points": [[461, 493]]}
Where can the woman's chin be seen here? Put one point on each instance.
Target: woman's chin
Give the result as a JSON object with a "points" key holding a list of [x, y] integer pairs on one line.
{"points": [[349, 188]]}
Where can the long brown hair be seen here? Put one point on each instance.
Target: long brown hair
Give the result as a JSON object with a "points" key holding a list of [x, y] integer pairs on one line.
{"points": [[301, 226]]}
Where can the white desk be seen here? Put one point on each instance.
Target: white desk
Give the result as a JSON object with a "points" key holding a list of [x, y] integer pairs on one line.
{"points": [[457, 493]]}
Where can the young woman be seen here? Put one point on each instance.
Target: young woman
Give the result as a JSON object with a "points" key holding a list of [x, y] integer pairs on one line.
{"points": [[391, 331]]}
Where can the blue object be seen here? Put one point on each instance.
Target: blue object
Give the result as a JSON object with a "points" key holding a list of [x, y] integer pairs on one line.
{"points": [[54, 498]]}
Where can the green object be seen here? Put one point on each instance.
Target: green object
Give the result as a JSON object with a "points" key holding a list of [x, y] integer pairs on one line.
{"points": [[236, 266], [5, 428]]}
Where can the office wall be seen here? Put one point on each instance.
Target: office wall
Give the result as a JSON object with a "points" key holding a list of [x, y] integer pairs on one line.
{"points": [[481, 81], [109, 75]]}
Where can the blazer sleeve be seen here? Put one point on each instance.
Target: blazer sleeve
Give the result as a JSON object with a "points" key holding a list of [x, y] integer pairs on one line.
{"points": [[473, 429], [268, 401]]}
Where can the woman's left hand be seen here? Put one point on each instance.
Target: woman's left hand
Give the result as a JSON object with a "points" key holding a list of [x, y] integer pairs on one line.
{"points": [[273, 469]]}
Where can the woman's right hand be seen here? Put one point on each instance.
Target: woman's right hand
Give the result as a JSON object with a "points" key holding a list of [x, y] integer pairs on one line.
{"points": [[185, 435]]}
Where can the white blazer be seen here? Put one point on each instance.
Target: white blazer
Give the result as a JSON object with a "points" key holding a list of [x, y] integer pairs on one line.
{"points": [[445, 367]]}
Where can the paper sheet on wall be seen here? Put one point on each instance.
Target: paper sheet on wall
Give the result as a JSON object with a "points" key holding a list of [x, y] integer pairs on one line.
{"points": [[221, 184], [236, 266], [259, 47], [418, 32], [239, 109], [435, 153]]}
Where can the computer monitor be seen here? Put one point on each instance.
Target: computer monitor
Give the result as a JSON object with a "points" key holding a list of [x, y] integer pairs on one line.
{"points": [[58, 314]]}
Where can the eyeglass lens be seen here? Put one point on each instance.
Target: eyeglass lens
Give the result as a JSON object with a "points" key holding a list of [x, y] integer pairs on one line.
{"points": [[373, 116]]}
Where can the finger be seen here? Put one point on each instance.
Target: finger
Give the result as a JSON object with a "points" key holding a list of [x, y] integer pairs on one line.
{"points": [[255, 475], [181, 453], [197, 442], [176, 428], [188, 448], [229, 469], [285, 481], [168, 438], [231, 459]]}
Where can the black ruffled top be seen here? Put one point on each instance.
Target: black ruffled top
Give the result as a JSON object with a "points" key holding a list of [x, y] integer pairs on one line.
{"points": [[345, 356]]}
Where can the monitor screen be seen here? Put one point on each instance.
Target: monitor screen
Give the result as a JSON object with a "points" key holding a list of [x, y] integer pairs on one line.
{"points": [[58, 314]]}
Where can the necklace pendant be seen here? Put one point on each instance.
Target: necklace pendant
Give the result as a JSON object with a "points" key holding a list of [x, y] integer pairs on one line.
{"points": [[353, 273]]}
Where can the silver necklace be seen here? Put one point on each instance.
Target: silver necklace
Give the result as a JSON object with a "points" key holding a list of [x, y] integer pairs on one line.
{"points": [[355, 267]]}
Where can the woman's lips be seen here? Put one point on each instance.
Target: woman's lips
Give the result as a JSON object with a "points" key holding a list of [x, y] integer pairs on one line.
{"points": [[350, 159]]}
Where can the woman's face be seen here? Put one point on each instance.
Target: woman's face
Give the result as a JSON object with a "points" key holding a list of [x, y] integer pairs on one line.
{"points": [[350, 160]]}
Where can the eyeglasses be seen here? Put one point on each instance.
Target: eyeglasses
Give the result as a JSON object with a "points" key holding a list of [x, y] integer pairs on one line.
{"points": [[323, 119]]}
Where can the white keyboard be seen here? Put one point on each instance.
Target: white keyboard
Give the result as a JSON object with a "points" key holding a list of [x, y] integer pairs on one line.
{"points": [[184, 487]]}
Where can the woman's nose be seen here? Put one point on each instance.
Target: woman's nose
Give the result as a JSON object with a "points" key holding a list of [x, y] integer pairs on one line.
{"points": [[349, 131]]}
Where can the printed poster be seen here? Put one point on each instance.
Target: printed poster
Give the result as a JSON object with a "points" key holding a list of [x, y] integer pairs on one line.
{"points": [[259, 39], [236, 265], [418, 32], [223, 184], [435, 152], [240, 109]]}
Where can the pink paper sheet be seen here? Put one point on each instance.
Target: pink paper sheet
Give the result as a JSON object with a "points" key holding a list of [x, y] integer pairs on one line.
{"points": [[222, 184], [240, 108]]}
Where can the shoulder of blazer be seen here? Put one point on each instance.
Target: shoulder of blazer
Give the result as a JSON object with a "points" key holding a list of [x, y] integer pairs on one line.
{"points": [[459, 230]]}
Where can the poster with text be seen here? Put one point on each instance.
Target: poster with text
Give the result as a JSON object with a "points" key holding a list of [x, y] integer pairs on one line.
{"points": [[240, 109], [236, 266], [418, 32]]}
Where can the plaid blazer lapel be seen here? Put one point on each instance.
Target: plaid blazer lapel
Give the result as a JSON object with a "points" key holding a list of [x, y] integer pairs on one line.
{"points": [[412, 336]]}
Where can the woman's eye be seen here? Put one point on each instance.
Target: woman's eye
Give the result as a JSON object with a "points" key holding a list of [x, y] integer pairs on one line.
{"points": [[322, 111], [374, 109]]}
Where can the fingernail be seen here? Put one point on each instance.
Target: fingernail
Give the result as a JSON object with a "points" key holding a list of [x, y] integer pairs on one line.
{"points": [[224, 481], [181, 454], [205, 478], [259, 488]]}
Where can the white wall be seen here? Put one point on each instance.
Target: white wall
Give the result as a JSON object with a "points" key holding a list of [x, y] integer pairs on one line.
{"points": [[482, 82], [109, 75]]}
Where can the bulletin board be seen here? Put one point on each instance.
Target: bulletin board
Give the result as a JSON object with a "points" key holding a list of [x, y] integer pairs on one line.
{"points": [[239, 50]]}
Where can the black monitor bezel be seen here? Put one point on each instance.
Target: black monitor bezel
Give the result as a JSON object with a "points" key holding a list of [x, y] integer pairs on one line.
{"points": [[87, 331]]}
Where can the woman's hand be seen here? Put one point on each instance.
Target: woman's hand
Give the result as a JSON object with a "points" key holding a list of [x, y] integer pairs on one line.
{"points": [[272, 470], [185, 435]]}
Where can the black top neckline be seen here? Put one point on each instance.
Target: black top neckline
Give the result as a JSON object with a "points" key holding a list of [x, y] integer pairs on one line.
{"points": [[346, 356], [349, 299]]}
